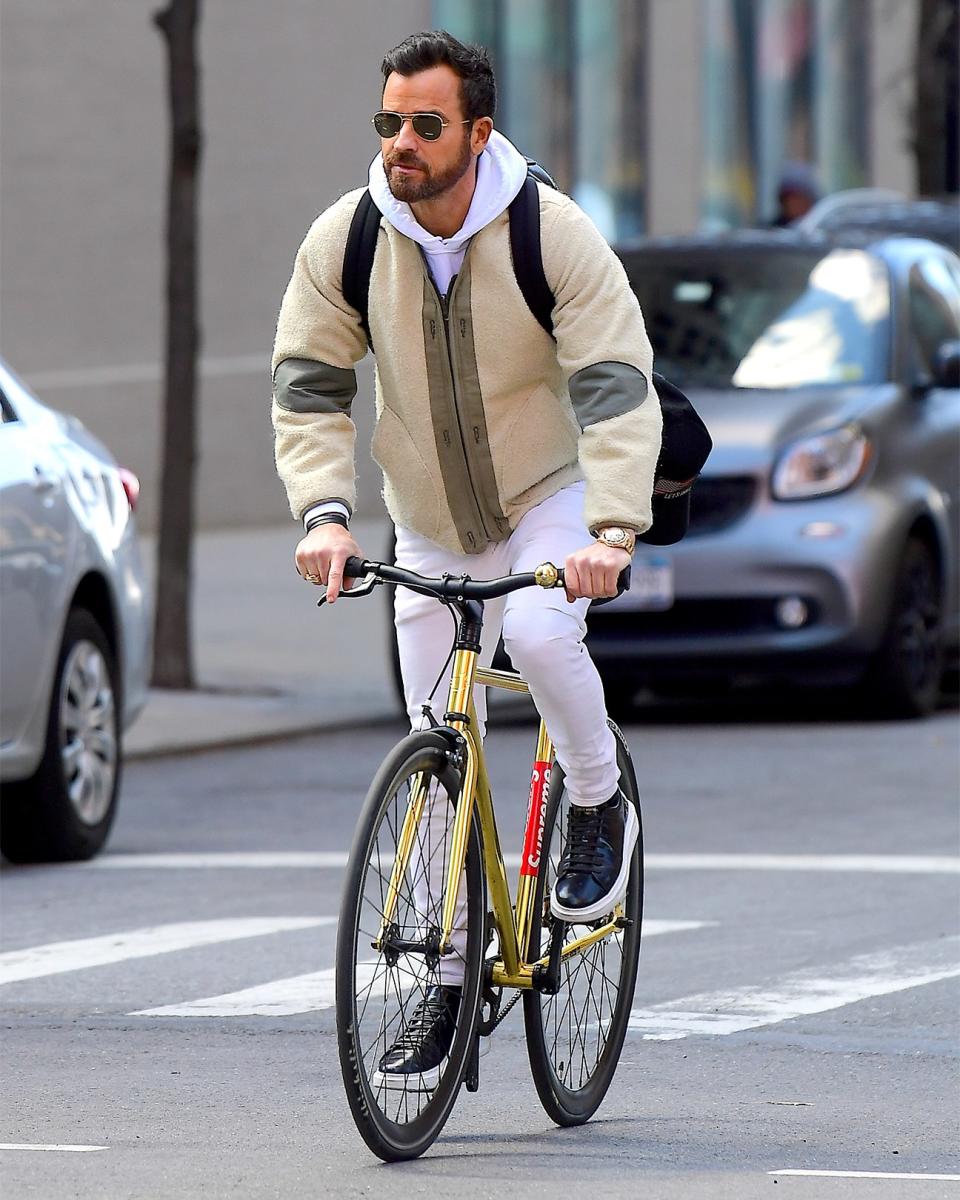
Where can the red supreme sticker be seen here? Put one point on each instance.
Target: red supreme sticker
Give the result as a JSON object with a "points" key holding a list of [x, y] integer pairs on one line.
{"points": [[536, 814]]}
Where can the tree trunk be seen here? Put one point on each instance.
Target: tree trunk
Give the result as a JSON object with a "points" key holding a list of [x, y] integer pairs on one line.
{"points": [[173, 651], [935, 104]]}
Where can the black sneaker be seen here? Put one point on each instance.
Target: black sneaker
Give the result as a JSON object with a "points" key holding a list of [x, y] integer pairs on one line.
{"points": [[595, 865], [413, 1061]]}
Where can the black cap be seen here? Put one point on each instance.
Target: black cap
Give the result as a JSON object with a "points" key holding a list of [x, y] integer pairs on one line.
{"points": [[684, 449]]}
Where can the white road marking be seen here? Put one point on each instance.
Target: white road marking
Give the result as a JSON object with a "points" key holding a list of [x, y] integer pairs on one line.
{"points": [[315, 991], [28, 1146], [801, 993], [256, 859], [899, 864], [281, 998], [57, 957], [866, 1174], [147, 372], [905, 864]]}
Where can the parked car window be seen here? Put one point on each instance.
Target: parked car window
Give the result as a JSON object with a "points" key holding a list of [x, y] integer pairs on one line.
{"points": [[771, 320], [934, 308]]}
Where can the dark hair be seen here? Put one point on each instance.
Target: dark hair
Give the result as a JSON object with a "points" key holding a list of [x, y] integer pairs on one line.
{"points": [[420, 51]]}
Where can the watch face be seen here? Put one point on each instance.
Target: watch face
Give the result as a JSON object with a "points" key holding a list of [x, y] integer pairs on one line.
{"points": [[614, 536]]}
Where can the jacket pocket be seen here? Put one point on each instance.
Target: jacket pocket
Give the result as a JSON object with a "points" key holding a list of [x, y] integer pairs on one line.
{"points": [[541, 439], [411, 495]]}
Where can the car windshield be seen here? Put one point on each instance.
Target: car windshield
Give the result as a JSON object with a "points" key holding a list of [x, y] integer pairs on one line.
{"points": [[771, 320]]}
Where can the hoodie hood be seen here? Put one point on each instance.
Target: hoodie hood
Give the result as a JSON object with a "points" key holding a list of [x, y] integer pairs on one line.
{"points": [[501, 171]]}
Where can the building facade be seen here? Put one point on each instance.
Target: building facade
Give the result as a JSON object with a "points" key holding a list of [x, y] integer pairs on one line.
{"points": [[657, 115]]}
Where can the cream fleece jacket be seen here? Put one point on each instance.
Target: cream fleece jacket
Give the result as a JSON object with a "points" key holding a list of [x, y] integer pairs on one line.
{"points": [[480, 414]]}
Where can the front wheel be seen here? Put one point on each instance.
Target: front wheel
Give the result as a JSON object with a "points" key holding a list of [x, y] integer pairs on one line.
{"points": [[574, 1038], [388, 960]]}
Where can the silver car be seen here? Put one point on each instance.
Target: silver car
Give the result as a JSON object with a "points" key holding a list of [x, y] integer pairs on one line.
{"points": [[824, 534], [74, 630]]}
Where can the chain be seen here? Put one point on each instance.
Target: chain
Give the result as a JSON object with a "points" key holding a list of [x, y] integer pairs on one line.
{"points": [[502, 1014]]}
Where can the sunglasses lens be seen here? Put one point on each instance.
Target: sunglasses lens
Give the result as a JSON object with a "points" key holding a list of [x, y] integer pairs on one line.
{"points": [[427, 126], [387, 124]]}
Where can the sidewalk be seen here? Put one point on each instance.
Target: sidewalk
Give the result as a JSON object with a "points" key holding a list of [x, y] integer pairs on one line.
{"points": [[268, 661]]}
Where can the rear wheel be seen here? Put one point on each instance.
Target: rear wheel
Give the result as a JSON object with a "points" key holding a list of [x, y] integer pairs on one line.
{"points": [[381, 981], [574, 1038], [64, 812]]}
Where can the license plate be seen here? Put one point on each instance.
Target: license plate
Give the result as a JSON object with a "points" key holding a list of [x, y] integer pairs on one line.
{"points": [[651, 584]]}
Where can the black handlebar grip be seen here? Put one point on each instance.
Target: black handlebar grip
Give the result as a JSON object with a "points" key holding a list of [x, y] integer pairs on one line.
{"points": [[623, 585], [353, 568]]}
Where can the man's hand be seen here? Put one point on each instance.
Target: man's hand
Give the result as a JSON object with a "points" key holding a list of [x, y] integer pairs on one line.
{"points": [[593, 571], [321, 555]]}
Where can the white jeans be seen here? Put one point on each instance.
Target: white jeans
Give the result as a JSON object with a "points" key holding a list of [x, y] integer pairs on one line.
{"points": [[543, 634]]}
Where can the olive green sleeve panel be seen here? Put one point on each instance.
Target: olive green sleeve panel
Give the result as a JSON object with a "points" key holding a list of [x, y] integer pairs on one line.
{"points": [[604, 390], [304, 386]]}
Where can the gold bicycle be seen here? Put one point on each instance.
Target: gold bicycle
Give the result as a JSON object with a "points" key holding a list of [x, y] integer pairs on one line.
{"points": [[425, 858]]}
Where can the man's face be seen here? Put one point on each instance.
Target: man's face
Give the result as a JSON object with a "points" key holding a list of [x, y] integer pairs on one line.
{"points": [[418, 169]]}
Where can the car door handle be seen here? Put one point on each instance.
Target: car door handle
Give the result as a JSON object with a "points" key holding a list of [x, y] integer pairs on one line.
{"points": [[43, 481]]}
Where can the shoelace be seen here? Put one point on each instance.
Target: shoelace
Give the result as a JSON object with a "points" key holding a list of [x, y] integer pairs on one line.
{"points": [[422, 1026], [582, 853]]}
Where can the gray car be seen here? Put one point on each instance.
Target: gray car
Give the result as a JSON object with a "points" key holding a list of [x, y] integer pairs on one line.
{"points": [[824, 536], [74, 630]]}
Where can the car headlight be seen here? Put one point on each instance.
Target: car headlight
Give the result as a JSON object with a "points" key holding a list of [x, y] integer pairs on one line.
{"points": [[822, 464]]}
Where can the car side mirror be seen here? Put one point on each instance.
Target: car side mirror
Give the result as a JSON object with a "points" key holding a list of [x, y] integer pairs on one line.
{"points": [[945, 371]]}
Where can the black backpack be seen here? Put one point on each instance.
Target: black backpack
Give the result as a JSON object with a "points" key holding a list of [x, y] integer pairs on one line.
{"points": [[685, 441]]}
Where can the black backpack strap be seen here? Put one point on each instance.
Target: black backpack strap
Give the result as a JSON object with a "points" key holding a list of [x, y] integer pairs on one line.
{"points": [[358, 258], [525, 250]]}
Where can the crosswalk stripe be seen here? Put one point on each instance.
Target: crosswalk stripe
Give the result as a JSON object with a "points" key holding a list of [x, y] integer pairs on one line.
{"points": [[57, 957], [867, 1174], [898, 864], [314, 991], [800, 993], [37, 1146]]}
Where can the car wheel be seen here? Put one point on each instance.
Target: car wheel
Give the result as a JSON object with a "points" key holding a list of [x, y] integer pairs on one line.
{"points": [[64, 812], [904, 677]]}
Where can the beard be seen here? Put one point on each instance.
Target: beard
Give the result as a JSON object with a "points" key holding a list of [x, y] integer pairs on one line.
{"points": [[431, 183]]}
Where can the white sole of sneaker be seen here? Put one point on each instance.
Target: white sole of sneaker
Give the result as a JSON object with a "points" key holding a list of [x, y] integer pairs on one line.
{"points": [[395, 1081], [581, 916]]}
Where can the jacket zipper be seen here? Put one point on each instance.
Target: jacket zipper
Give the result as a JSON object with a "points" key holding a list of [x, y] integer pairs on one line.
{"points": [[445, 310]]}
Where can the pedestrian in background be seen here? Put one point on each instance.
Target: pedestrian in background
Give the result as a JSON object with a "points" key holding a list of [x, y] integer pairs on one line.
{"points": [[797, 192]]}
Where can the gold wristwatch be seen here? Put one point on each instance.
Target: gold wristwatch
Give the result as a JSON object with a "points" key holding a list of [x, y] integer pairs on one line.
{"points": [[617, 537]]}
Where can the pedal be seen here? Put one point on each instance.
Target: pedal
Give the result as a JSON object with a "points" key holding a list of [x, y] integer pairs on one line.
{"points": [[472, 1077]]}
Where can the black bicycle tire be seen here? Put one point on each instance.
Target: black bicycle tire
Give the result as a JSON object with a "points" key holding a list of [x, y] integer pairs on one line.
{"points": [[566, 1106], [390, 1140]]}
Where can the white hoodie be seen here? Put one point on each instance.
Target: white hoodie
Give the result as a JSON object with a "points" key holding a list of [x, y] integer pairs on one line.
{"points": [[500, 175]]}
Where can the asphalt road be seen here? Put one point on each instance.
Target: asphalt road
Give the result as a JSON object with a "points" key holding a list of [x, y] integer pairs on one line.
{"points": [[804, 1018]]}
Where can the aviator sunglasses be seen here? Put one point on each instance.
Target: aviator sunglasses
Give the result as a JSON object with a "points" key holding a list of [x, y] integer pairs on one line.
{"points": [[427, 126]]}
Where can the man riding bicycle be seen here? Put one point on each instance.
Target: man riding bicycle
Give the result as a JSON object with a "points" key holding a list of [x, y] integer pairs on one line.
{"points": [[500, 446]]}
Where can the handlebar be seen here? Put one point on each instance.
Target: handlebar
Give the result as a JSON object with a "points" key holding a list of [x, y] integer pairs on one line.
{"points": [[453, 587]]}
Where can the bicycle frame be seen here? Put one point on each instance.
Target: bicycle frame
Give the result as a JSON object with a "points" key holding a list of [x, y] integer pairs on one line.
{"points": [[515, 923]]}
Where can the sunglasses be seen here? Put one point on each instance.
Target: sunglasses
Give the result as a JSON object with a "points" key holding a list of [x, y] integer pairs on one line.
{"points": [[427, 126]]}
